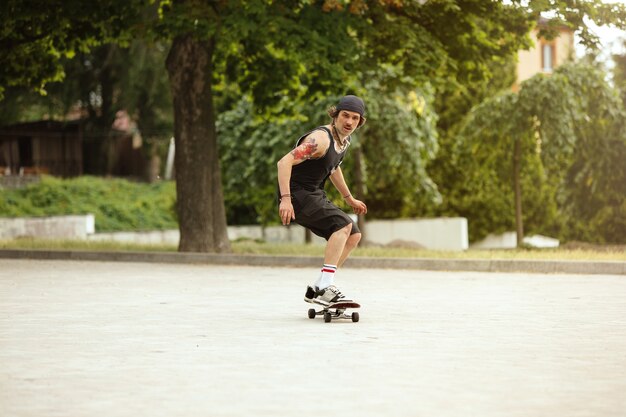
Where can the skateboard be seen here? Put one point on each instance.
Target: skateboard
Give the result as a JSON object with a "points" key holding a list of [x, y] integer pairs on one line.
{"points": [[336, 311]]}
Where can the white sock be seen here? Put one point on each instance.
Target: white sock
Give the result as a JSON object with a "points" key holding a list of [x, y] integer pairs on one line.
{"points": [[327, 277]]}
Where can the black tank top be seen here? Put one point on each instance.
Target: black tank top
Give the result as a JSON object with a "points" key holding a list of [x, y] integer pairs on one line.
{"points": [[313, 173]]}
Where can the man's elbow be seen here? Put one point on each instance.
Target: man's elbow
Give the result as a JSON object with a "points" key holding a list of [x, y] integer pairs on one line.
{"points": [[283, 162]]}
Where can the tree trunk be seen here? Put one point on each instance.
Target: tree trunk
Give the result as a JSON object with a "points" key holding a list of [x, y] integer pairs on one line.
{"points": [[200, 201], [359, 187], [104, 120], [517, 187]]}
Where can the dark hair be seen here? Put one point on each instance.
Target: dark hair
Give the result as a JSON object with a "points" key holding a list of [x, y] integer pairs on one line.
{"points": [[333, 113]]}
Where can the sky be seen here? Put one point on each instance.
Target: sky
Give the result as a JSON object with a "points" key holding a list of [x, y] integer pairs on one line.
{"points": [[610, 38]]}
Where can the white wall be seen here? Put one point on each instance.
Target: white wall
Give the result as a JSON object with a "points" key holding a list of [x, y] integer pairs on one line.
{"points": [[53, 227], [437, 234]]}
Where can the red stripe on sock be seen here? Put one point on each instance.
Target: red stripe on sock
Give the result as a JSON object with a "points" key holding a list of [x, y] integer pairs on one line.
{"points": [[328, 270]]}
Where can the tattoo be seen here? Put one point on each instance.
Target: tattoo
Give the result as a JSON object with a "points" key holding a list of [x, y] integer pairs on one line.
{"points": [[305, 150]]}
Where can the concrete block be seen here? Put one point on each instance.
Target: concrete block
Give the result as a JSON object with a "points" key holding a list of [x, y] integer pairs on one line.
{"points": [[52, 227], [436, 234], [508, 240], [155, 237]]}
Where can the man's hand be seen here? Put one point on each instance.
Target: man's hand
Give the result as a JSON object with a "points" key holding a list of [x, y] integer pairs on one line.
{"points": [[285, 210], [358, 206]]}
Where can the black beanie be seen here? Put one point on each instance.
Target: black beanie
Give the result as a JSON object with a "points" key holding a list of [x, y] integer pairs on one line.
{"points": [[352, 103]]}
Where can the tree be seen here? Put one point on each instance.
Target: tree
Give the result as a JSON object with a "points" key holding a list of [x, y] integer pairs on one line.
{"points": [[475, 191], [594, 186], [553, 118]]}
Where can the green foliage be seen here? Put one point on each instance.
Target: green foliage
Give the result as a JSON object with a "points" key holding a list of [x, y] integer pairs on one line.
{"points": [[483, 33], [569, 123], [576, 15], [594, 197], [250, 147], [397, 142], [484, 193], [35, 36], [118, 205], [99, 83], [464, 194]]}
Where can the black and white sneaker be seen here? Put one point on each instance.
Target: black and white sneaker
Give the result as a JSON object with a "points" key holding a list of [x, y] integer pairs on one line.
{"points": [[330, 295], [310, 295]]}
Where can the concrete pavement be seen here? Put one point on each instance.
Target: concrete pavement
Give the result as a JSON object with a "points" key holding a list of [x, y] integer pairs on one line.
{"points": [[126, 339]]}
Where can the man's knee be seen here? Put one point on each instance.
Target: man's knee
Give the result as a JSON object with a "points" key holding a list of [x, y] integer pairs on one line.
{"points": [[354, 239], [344, 230]]}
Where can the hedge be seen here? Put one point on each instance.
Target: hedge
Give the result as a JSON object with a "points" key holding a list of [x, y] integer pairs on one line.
{"points": [[118, 205]]}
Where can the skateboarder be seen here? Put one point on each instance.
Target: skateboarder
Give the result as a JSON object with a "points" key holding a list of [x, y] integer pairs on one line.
{"points": [[302, 174]]}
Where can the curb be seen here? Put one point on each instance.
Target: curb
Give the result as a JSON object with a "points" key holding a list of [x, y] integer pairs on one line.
{"points": [[478, 265]]}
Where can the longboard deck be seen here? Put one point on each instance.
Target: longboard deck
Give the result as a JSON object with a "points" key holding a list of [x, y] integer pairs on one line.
{"points": [[340, 305]]}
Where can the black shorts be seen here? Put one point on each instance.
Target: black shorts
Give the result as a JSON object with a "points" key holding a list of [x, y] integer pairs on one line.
{"points": [[317, 213]]}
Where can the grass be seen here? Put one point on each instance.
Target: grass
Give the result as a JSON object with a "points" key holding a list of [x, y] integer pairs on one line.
{"points": [[260, 248], [109, 246], [247, 247]]}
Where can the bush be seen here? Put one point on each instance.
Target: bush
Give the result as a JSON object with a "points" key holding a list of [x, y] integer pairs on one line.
{"points": [[118, 205]]}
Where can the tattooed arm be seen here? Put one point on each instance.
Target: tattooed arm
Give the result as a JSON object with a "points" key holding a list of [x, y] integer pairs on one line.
{"points": [[313, 146]]}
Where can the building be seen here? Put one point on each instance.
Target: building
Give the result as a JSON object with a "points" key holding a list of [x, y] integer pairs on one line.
{"points": [[42, 147], [545, 55], [67, 149]]}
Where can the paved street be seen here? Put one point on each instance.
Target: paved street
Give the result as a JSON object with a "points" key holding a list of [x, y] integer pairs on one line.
{"points": [[138, 339]]}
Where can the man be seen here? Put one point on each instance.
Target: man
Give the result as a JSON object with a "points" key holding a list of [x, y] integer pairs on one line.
{"points": [[302, 174]]}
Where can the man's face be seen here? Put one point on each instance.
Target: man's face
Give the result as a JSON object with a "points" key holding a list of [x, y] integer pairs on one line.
{"points": [[347, 121]]}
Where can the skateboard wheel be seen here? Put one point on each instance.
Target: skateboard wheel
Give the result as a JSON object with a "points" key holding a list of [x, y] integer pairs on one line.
{"points": [[355, 317], [327, 317], [311, 313]]}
